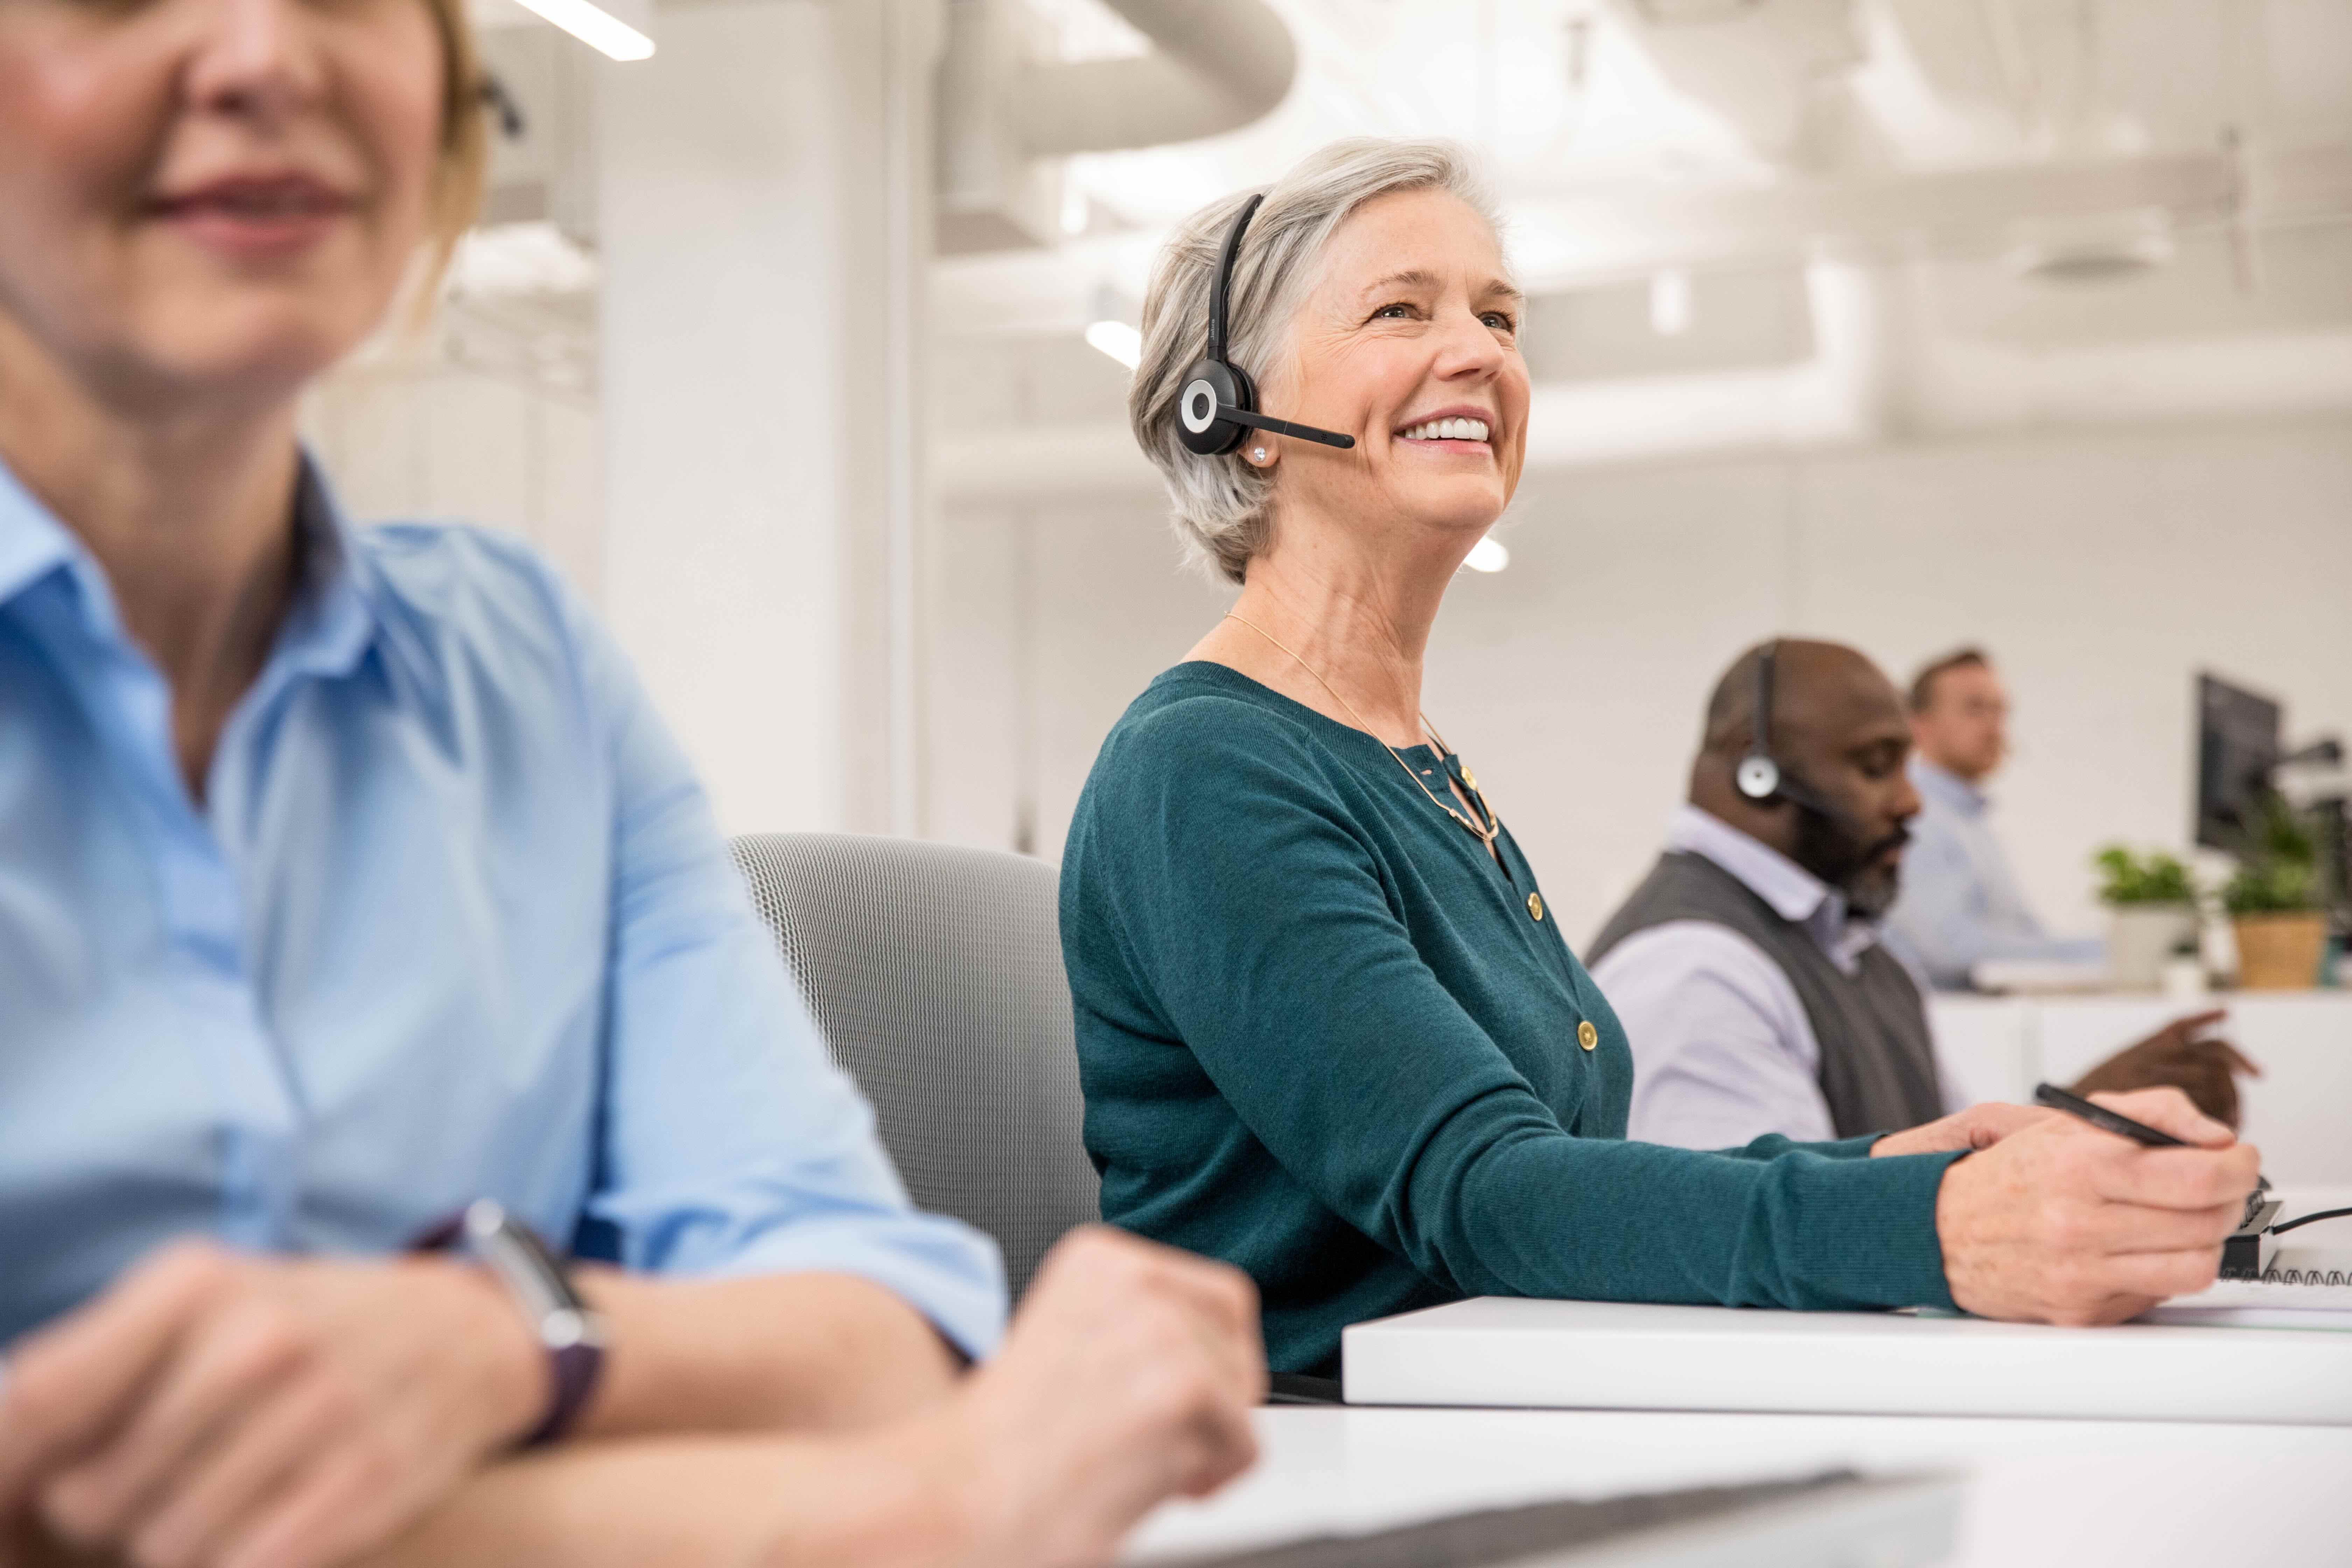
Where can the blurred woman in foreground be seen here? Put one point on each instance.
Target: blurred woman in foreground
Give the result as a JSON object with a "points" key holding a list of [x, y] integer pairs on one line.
{"points": [[347, 879]]}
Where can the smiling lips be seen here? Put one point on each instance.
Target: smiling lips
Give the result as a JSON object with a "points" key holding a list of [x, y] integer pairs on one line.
{"points": [[1449, 429], [256, 217]]}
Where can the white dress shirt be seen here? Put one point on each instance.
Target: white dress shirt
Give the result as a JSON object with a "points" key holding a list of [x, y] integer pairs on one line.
{"points": [[1723, 1051], [1960, 905]]}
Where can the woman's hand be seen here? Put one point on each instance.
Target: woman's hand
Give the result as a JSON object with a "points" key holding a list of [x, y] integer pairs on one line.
{"points": [[1978, 1127], [2059, 1222], [255, 1413], [1128, 1378]]}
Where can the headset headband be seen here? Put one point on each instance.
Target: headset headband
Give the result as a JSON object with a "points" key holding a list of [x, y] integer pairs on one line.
{"points": [[1763, 746], [1221, 291]]}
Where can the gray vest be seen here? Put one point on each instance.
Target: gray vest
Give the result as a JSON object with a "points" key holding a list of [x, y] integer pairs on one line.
{"points": [[1878, 1060]]}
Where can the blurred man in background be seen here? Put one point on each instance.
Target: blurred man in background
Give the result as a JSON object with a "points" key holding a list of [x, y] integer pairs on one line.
{"points": [[1960, 904], [1749, 968]]}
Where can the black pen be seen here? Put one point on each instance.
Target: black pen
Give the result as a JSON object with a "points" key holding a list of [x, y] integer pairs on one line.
{"points": [[2099, 1116]]}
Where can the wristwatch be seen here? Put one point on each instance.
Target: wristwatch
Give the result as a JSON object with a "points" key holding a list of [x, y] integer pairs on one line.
{"points": [[566, 1327]]}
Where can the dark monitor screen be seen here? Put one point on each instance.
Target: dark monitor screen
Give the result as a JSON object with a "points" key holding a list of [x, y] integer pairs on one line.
{"points": [[2237, 747]]}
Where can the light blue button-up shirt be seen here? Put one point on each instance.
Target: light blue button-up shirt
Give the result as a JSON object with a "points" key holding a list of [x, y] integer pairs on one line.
{"points": [[1960, 905], [452, 921]]}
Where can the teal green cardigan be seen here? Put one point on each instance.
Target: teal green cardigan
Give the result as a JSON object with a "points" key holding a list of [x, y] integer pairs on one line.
{"points": [[1325, 1036]]}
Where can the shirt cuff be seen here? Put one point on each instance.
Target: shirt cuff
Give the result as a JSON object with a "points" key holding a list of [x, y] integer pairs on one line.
{"points": [[950, 1273], [1884, 1240]]}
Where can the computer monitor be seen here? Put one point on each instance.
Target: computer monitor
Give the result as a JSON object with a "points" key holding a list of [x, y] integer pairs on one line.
{"points": [[2237, 747]]}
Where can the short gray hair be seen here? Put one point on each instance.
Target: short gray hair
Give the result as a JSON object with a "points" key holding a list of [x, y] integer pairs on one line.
{"points": [[1223, 508]]}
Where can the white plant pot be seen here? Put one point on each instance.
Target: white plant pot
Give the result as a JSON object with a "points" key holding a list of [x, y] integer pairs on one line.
{"points": [[2141, 939]]}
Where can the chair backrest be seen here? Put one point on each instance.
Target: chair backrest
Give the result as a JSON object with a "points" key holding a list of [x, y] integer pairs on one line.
{"points": [[936, 974]]}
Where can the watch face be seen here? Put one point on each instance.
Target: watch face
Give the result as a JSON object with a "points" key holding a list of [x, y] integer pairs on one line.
{"points": [[522, 1263]]}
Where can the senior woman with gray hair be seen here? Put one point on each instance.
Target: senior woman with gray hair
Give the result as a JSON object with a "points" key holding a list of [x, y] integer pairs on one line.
{"points": [[1326, 1028]]}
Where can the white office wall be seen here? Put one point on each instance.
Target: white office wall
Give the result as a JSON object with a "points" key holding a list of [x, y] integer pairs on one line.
{"points": [[2102, 570], [416, 438]]}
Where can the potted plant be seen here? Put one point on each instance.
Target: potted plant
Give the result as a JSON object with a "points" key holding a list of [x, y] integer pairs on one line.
{"points": [[2274, 903], [2151, 913]]}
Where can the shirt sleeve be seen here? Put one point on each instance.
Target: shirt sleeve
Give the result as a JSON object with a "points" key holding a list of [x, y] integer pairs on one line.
{"points": [[1259, 924], [1944, 919], [1722, 1052], [732, 1143]]}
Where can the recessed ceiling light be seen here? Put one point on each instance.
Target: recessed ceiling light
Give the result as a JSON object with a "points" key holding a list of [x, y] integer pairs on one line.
{"points": [[2104, 248]]}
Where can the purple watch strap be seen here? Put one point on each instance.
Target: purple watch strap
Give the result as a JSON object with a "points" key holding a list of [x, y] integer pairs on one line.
{"points": [[576, 1369], [573, 1368]]}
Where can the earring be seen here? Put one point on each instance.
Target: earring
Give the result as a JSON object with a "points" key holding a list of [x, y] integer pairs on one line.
{"points": [[1259, 453]]}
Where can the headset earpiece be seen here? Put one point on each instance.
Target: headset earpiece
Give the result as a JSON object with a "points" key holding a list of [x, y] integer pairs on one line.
{"points": [[1218, 403], [1212, 391], [1759, 777]]}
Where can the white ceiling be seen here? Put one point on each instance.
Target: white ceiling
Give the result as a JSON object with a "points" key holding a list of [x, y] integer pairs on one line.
{"points": [[1622, 142]]}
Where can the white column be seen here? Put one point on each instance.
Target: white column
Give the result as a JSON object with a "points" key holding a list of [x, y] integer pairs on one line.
{"points": [[763, 210]]}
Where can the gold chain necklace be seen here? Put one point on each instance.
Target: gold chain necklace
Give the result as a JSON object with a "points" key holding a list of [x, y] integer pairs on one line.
{"points": [[1485, 834]]}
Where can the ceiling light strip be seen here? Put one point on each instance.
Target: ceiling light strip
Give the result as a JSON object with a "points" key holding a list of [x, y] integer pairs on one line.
{"points": [[594, 26]]}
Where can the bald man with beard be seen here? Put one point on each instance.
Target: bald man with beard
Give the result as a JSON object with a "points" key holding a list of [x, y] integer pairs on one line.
{"points": [[1749, 967]]}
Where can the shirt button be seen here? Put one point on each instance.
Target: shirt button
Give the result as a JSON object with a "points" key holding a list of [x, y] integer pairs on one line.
{"points": [[1586, 1036], [1535, 905]]}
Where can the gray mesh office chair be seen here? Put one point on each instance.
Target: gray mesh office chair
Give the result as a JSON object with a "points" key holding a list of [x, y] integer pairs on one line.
{"points": [[936, 974]]}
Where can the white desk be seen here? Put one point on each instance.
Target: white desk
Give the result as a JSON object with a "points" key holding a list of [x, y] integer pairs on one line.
{"points": [[2041, 1494], [2299, 1111]]}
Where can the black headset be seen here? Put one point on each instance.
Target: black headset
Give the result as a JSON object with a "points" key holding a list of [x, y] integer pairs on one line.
{"points": [[1760, 776], [1218, 401]]}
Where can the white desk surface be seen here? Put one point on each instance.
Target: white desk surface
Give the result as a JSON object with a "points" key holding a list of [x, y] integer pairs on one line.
{"points": [[2041, 1494]]}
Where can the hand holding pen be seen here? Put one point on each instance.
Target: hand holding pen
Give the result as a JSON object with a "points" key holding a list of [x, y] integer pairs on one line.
{"points": [[2066, 1221]]}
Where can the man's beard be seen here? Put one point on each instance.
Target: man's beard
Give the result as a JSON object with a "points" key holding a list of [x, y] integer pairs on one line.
{"points": [[1865, 872]]}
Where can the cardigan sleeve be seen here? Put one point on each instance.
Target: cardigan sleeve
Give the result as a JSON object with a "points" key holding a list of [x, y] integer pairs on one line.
{"points": [[1254, 917]]}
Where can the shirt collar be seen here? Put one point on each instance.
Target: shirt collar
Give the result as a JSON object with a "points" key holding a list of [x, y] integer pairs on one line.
{"points": [[328, 629], [32, 545], [1795, 894], [1945, 788], [332, 622]]}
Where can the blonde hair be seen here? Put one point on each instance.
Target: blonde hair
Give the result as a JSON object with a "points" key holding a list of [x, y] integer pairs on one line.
{"points": [[464, 163], [1223, 507]]}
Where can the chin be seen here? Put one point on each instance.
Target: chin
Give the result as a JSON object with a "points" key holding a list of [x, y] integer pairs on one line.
{"points": [[1872, 897], [1467, 506], [244, 348]]}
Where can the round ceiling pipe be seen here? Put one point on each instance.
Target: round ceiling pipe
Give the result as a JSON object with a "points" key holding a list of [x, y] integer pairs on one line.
{"points": [[1215, 66], [1006, 121]]}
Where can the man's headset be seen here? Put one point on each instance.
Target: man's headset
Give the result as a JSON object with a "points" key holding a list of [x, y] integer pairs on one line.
{"points": [[1218, 401], [1760, 776]]}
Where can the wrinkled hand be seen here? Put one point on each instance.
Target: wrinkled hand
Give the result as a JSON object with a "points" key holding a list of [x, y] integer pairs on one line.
{"points": [[2179, 1055], [1978, 1127], [213, 1409], [2063, 1223], [1126, 1378]]}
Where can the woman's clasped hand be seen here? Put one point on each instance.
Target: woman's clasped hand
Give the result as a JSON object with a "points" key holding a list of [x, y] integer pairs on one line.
{"points": [[215, 1407], [2060, 1222]]}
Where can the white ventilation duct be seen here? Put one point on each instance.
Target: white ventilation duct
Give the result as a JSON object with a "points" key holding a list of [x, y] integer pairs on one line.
{"points": [[1004, 116], [1771, 68], [1215, 66]]}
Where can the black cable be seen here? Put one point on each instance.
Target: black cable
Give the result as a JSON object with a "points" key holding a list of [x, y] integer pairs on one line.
{"points": [[2306, 1219]]}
